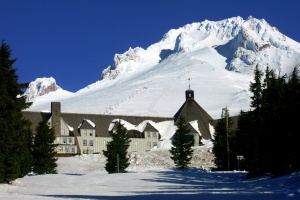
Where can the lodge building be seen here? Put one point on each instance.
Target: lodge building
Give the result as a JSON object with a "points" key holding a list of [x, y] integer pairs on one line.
{"points": [[78, 133]]}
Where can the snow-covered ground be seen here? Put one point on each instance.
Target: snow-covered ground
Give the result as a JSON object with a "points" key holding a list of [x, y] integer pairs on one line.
{"points": [[151, 175]]}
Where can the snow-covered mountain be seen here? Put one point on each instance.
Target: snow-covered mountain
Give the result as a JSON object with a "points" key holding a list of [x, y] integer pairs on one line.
{"points": [[40, 87], [205, 55]]}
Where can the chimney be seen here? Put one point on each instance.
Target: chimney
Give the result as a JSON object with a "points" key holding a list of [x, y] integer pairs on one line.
{"points": [[55, 112]]}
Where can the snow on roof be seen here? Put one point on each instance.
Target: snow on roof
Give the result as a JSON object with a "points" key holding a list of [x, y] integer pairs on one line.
{"points": [[88, 121], [194, 124], [212, 131], [126, 124], [166, 129], [70, 128]]}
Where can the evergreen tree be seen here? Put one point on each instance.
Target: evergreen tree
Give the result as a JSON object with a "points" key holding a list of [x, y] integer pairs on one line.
{"points": [[43, 152], [256, 89], [292, 108], [182, 143], [26, 151], [12, 124], [222, 150], [117, 151], [272, 124], [247, 142]]}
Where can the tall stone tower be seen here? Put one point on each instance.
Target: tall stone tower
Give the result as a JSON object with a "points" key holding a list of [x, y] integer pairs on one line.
{"points": [[55, 113]]}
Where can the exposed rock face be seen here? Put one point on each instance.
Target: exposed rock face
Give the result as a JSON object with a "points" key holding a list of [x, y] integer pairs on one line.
{"points": [[40, 87], [244, 44]]}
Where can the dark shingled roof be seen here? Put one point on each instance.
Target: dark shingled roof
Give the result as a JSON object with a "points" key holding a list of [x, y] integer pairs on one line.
{"points": [[101, 121], [35, 118], [149, 127], [191, 111]]}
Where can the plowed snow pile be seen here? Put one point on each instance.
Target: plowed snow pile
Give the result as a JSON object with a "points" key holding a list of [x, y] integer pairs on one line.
{"points": [[156, 159]]}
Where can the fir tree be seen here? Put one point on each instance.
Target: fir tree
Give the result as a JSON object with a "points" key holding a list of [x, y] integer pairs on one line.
{"points": [[182, 143], [117, 151], [292, 108], [256, 89], [12, 123], [261, 131], [43, 152], [222, 150], [26, 151]]}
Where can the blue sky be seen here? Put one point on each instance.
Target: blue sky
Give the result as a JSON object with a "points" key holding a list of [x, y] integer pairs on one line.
{"points": [[74, 40]]}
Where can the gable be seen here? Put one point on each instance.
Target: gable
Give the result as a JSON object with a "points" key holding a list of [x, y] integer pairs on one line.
{"points": [[87, 124], [149, 127], [192, 111]]}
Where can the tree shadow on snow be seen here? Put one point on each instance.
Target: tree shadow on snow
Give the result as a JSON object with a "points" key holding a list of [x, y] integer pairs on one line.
{"points": [[198, 184]]}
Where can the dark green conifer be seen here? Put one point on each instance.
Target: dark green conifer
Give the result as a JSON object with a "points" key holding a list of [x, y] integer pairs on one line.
{"points": [[224, 152], [182, 143], [12, 124], [43, 152], [116, 150]]}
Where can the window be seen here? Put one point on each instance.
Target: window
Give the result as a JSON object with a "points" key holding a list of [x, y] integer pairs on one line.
{"points": [[72, 150], [65, 140], [91, 142], [70, 140], [67, 149], [148, 135], [83, 132], [84, 142]]}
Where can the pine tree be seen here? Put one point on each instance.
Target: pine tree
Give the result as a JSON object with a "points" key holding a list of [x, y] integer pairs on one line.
{"points": [[43, 152], [12, 123], [247, 142], [26, 151], [292, 109], [117, 151], [222, 150], [182, 143], [261, 131], [256, 89]]}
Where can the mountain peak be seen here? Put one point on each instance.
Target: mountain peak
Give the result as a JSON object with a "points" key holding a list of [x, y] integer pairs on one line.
{"points": [[40, 87], [151, 81]]}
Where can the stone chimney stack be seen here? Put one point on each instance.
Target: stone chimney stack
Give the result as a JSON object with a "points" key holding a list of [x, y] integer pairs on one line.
{"points": [[55, 112]]}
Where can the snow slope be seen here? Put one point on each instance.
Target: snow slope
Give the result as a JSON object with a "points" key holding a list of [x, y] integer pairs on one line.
{"points": [[217, 57], [160, 90]]}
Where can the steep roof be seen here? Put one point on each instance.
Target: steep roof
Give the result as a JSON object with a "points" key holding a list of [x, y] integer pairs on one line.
{"points": [[100, 121], [149, 127], [87, 124], [191, 111]]}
